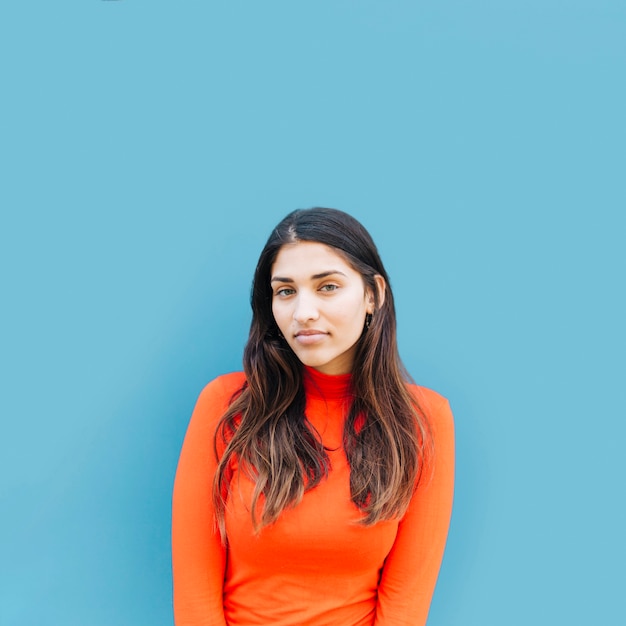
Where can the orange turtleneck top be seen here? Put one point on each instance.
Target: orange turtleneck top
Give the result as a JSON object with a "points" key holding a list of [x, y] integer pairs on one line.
{"points": [[314, 566]]}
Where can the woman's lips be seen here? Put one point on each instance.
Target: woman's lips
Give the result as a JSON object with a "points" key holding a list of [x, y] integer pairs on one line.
{"points": [[308, 337]]}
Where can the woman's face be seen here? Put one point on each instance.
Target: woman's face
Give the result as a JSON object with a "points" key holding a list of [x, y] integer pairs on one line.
{"points": [[319, 303]]}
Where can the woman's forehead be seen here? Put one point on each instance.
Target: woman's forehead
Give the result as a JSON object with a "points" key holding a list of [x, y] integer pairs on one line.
{"points": [[307, 259]]}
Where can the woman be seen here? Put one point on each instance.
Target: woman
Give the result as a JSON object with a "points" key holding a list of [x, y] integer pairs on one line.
{"points": [[315, 487]]}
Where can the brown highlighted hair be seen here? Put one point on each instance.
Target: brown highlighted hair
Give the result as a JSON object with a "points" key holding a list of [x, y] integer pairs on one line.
{"points": [[386, 436]]}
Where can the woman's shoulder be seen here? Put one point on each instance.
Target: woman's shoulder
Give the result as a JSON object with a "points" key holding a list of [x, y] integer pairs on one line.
{"points": [[436, 409], [223, 386], [433, 404], [217, 394]]}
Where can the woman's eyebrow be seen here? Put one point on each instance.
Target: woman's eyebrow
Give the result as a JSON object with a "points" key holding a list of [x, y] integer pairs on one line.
{"points": [[283, 279], [324, 274]]}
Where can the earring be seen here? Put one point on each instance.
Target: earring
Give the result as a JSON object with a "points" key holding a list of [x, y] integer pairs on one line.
{"points": [[368, 320]]}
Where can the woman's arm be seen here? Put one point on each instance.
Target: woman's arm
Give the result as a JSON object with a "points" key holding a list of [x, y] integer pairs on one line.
{"points": [[198, 556], [411, 568]]}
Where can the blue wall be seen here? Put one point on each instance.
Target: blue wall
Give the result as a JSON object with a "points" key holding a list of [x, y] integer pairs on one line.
{"points": [[148, 147]]}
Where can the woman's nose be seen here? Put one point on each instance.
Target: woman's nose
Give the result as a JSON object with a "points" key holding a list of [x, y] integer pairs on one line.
{"points": [[305, 309]]}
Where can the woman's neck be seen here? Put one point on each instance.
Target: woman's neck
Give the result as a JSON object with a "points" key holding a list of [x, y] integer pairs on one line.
{"points": [[330, 387]]}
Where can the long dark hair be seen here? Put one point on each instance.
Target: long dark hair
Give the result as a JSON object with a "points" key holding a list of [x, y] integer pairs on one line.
{"points": [[386, 436]]}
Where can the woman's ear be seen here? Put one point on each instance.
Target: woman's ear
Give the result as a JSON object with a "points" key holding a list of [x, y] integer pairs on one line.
{"points": [[381, 287]]}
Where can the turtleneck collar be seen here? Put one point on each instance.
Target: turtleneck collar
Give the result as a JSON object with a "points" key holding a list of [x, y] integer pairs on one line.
{"points": [[327, 386]]}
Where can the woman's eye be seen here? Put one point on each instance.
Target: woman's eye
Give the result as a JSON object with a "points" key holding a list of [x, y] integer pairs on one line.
{"points": [[329, 287], [285, 291]]}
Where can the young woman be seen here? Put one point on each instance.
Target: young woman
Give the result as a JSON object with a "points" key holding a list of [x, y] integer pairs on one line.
{"points": [[315, 487]]}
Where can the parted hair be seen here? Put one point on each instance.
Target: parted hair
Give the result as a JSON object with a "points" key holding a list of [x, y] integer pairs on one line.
{"points": [[265, 431]]}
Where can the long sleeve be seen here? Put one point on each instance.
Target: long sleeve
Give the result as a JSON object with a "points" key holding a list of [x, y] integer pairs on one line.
{"points": [[411, 569], [198, 556], [313, 566]]}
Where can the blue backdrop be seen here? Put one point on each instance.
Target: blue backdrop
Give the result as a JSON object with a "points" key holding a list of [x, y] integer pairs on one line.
{"points": [[148, 147]]}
